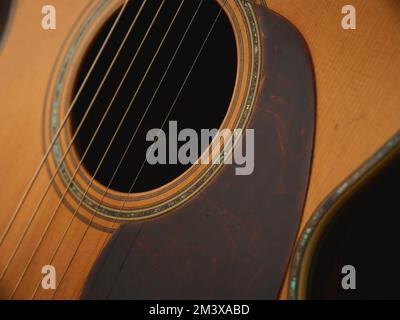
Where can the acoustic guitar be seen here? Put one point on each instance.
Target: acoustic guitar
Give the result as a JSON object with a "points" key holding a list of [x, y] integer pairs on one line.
{"points": [[85, 215]]}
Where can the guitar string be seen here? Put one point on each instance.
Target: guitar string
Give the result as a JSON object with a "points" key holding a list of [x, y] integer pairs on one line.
{"points": [[36, 210], [106, 240], [104, 243], [50, 222], [112, 140], [132, 138], [144, 162], [58, 132]]}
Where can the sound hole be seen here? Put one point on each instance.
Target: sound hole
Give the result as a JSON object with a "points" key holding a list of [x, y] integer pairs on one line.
{"points": [[203, 101], [364, 234]]}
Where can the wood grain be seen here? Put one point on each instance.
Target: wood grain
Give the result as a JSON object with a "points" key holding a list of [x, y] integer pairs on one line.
{"points": [[357, 78], [26, 65], [234, 239], [358, 100]]}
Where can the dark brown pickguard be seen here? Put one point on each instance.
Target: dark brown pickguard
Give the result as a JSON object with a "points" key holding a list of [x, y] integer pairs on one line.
{"points": [[234, 239]]}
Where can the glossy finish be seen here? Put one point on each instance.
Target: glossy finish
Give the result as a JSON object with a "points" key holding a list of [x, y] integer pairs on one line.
{"points": [[234, 239], [356, 225], [358, 107]]}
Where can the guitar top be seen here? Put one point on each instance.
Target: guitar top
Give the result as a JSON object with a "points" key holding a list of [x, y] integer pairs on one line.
{"points": [[179, 149]]}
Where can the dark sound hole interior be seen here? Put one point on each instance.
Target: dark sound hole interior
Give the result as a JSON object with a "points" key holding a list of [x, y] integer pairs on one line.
{"points": [[203, 102], [364, 234]]}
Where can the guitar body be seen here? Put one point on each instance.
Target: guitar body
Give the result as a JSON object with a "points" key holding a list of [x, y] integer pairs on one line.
{"points": [[236, 232]]}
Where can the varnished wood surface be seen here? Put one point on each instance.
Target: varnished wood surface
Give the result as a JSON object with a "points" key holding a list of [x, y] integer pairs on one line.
{"points": [[357, 80], [38, 70], [357, 76], [26, 65], [234, 239]]}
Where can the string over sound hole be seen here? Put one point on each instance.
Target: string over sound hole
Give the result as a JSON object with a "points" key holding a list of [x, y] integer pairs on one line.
{"points": [[136, 81]]}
